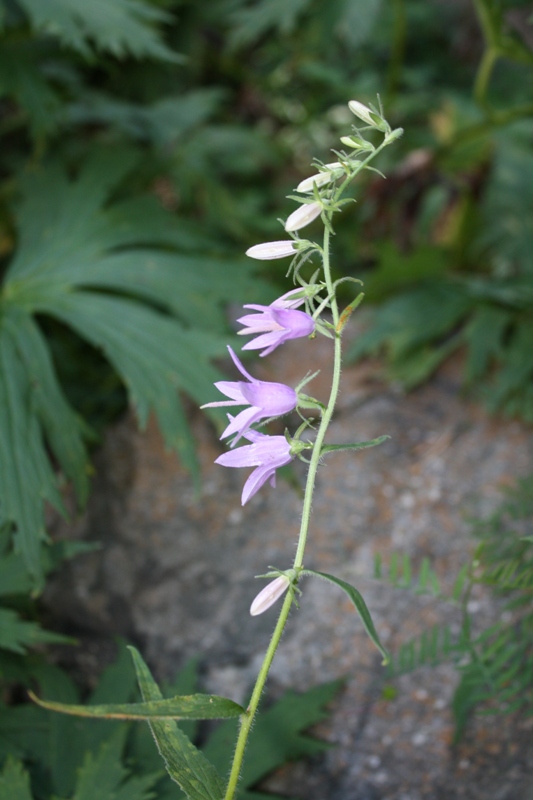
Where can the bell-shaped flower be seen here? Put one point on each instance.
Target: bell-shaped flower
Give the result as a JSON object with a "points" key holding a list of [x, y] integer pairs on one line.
{"points": [[276, 323], [268, 596], [303, 216], [266, 454], [264, 398]]}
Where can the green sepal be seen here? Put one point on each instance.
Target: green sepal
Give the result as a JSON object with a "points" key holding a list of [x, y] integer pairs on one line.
{"points": [[360, 605], [194, 706], [185, 764], [332, 448]]}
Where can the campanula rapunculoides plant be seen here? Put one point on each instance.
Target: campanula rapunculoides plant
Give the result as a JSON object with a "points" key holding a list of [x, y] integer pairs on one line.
{"points": [[310, 309]]}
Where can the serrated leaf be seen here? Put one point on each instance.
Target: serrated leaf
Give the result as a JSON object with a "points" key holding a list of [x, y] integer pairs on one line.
{"points": [[14, 782], [254, 21], [105, 771], [357, 599], [120, 27], [186, 765], [22, 80], [17, 634], [195, 706]]}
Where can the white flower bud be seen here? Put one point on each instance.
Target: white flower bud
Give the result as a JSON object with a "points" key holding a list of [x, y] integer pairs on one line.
{"points": [[357, 143], [303, 216], [333, 172], [367, 115], [268, 596], [270, 250]]}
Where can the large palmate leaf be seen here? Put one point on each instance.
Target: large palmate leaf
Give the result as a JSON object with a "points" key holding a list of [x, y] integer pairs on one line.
{"points": [[159, 338], [121, 27]]}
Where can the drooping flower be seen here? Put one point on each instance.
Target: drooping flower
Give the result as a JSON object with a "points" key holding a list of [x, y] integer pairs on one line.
{"points": [[270, 250], [265, 398], [268, 596], [302, 216], [276, 323], [331, 172], [266, 454]]}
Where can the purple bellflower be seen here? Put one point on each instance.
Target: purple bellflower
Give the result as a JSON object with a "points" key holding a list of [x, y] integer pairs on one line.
{"points": [[265, 398], [266, 454], [276, 323]]}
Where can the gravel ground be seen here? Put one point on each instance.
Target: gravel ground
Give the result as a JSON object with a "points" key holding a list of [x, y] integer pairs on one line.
{"points": [[176, 576]]}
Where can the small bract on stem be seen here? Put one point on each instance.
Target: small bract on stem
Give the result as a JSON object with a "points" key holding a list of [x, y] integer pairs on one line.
{"points": [[320, 196]]}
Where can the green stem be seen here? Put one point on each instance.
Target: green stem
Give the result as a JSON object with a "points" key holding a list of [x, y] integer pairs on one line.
{"points": [[248, 718]]}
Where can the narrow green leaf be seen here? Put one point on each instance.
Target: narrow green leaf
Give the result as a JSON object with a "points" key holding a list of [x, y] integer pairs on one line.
{"points": [[332, 448], [184, 762], [14, 781], [360, 605], [195, 706]]}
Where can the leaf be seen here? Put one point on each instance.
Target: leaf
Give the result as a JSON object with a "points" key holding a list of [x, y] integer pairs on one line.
{"points": [[105, 771], [277, 735], [26, 475], [185, 764], [17, 634], [77, 242], [332, 448], [253, 21], [360, 605], [14, 782], [22, 79], [119, 27], [196, 706]]}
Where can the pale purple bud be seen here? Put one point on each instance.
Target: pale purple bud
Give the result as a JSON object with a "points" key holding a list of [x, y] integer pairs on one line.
{"points": [[268, 596], [333, 172], [303, 216], [270, 250]]}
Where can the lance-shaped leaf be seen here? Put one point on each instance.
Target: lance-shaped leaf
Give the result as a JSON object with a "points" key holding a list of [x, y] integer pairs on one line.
{"points": [[333, 448], [185, 764], [360, 605], [193, 706]]}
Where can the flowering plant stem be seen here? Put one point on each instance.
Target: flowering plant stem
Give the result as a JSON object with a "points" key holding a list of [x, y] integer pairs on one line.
{"points": [[248, 718]]}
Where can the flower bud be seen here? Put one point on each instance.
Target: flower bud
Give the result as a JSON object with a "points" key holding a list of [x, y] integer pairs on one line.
{"points": [[270, 250], [357, 143], [333, 172], [303, 216], [268, 596], [367, 115]]}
